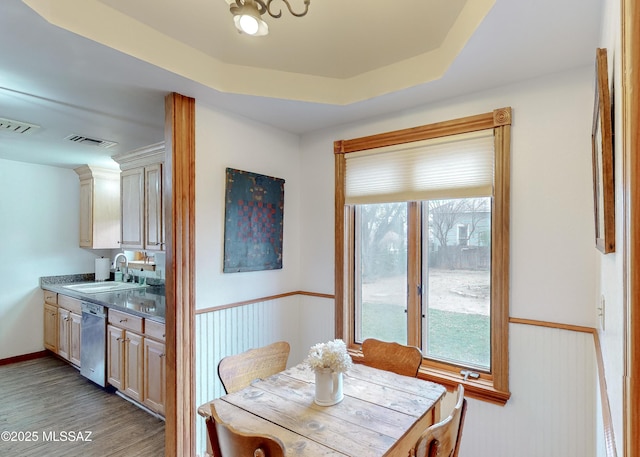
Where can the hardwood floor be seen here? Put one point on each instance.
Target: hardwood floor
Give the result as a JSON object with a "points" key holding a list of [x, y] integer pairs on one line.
{"points": [[49, 402]]}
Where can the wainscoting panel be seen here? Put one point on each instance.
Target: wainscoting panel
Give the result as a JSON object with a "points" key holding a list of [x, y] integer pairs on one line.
{"points": [[552, 410], [299, 319]]}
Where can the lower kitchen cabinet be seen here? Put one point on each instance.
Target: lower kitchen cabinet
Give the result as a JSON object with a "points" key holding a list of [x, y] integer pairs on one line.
{"points": [[135, 360], [133, 370], [51, 327], [69, 322], [115, 357], [124, 364], [154, 375], [135, 348], [75, 322]]}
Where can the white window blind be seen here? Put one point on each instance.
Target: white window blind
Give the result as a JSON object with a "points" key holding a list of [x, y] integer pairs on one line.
{"points": [[457, 166]]}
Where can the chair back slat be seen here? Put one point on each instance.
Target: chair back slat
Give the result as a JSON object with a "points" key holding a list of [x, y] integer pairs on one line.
{"points": [[390, 356], [238, 371]]}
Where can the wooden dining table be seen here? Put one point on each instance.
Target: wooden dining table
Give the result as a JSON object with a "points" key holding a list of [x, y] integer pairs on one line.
{"points": [[382, 413]]}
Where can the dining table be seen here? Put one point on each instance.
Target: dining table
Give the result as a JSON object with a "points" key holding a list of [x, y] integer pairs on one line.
{"points": [[381, 414]]}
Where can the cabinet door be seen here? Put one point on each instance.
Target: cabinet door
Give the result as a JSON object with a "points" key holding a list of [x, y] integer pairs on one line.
{"points": [[115, 357], [75, 321], [154, 224], [86, 213], [133, 370], [63, 333], [51, 327], [154, 375], [132, 194]]}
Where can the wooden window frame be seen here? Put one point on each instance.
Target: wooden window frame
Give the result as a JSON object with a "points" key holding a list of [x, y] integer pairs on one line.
{"points": [[493, 387]]}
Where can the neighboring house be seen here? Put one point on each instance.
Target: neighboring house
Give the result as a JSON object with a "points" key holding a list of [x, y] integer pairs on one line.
{"points": [[459, 233]]}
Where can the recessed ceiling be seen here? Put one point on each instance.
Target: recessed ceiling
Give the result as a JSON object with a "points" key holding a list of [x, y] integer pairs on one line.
{"points": [[340, 52], [83, 67]]}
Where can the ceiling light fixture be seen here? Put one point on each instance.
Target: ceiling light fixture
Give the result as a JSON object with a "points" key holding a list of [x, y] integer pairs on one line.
{"points": [[247, 15]]}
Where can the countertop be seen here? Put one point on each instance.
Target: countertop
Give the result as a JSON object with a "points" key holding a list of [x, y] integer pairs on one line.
{"points": [[148, 302]]}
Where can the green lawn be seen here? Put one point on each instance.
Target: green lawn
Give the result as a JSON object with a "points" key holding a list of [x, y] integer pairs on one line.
{"points": [[452, 336]]}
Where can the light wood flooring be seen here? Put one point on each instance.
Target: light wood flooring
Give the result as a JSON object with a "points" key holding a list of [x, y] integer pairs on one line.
{"points": [[45, 397]]}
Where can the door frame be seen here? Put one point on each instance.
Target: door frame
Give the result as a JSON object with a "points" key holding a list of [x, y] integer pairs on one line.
{"points": [[630, 30]]}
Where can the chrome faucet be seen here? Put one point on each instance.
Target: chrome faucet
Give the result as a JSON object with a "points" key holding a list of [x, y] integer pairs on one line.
{"points": [[125, 273]]}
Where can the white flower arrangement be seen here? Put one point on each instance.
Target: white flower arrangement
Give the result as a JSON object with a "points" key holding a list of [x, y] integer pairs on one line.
{"points": [[332, 354]]}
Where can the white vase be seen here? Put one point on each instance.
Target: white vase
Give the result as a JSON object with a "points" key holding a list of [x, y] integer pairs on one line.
{"points": [[328, 387]]}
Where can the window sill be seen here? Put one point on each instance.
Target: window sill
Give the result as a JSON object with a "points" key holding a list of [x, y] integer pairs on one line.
{"points": [[479, 389]]}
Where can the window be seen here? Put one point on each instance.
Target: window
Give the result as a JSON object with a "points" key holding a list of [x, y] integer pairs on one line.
{"points": [[463, 237], [422, 247]]}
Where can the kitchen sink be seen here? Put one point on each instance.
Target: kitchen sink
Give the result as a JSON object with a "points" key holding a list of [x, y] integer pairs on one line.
{"points": [[108, 286]]}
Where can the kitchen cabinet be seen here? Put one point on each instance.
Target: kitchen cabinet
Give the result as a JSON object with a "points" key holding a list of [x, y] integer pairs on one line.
{"points": [[69, 322], [136, 359], [115, 357], [132, 188], [133, 370], [51, 321], [125, 354], [154, 367], [154, 220], [99, 207], [142, 198]]}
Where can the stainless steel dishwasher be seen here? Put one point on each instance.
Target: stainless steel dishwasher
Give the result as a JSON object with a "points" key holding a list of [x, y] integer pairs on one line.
{"points": [[93, 343]]}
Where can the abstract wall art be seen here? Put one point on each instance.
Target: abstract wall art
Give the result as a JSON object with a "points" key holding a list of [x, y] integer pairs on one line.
{"points": [[254, 209]]}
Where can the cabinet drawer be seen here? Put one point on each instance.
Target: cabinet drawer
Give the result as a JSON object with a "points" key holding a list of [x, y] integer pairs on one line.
{"points": [[50, 297], [125, 320], [72, 304], [154, 329]]}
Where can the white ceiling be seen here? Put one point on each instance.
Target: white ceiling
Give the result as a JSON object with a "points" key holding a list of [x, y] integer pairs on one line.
{"points": [[308, 73]]}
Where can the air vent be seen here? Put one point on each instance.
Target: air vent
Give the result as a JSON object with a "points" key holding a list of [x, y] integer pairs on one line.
{"points": [[9, 125], [85, 140]]}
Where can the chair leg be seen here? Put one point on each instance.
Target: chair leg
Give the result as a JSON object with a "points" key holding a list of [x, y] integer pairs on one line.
{"points": [[213, 447]]}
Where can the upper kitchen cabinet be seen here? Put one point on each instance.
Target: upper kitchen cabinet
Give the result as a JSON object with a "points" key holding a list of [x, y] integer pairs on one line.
{"points": [[99, 207], [141, 195]]}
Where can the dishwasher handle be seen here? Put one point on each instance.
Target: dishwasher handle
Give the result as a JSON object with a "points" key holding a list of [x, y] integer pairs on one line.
{"points": [[94, 309]]}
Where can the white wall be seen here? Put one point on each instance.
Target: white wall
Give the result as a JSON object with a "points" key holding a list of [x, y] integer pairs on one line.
{"points": [[39, 219], [224, 140], [552, 258], [609, 277], [552, 246]]}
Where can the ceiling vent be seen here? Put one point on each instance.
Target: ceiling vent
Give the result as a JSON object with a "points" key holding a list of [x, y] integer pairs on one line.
{"points": [[85, 140], [9, 125]]}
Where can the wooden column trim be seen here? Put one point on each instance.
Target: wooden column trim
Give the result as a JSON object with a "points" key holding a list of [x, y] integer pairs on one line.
{"points": [[339, 219], [500, 245], [179, 199], [630, 25]]}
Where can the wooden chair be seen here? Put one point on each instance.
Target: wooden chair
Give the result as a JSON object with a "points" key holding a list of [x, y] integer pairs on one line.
{"points": [[226, 441], [400, 359], [238, 371], [443, 439]]}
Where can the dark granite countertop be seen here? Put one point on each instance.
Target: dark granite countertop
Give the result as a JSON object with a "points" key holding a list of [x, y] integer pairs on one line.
{"points": [[147, 302]]}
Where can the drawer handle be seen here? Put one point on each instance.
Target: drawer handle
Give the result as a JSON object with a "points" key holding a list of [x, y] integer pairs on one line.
{"points": [[161, 355], [123, 320]]}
